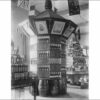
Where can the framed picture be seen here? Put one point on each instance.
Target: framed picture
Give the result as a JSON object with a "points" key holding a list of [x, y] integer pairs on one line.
{"points": [[58, 27], [41, 27], [68, 31]]}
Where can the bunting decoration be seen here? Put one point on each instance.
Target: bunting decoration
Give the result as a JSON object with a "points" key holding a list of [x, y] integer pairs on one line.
{"points": [[23, 4], [74, 7]]}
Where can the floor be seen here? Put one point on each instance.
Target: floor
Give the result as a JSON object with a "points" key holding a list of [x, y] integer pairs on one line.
{"points": [[74, 93]]}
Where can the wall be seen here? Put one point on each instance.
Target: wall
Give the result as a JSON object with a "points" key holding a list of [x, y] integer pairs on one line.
{"points": [[33, 54], [21, 41]]}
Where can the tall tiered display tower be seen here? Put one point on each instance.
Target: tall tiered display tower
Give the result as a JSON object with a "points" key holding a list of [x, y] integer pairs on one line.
{"points": [[52, 31]]}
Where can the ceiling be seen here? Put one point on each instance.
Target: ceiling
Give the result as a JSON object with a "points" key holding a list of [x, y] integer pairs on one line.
{"points": [[62, 9], [19, 14]]}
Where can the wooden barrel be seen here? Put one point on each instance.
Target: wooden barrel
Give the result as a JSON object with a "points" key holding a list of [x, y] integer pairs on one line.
{"points": [[62, 86], [55, 88], [43, 87]]}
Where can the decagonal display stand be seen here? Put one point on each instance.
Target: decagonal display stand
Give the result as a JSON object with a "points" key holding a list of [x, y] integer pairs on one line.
{"points": [[51, 65], [52, 31]]}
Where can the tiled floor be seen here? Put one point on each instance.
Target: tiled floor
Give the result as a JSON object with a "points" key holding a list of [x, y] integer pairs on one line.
{"points": [[75, 93]]}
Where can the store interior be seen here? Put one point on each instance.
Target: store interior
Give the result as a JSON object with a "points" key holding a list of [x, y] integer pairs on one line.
{"points": [[24, 43]]}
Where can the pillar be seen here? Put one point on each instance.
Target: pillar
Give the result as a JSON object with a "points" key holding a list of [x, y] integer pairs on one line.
{"points": [[51, 51]]}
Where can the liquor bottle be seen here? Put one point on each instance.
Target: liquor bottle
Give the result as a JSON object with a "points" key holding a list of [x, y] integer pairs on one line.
{"points": [[16, 76], [12, 68], [22, 68], [26, 68], [23, 75], [15, 68], [20, 76], [11, 59], [19, 68]]}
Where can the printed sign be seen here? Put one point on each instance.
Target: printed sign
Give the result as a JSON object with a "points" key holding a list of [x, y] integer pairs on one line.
{"points": [[41, 27], [23, 4], [74, 7], [58, 27]]}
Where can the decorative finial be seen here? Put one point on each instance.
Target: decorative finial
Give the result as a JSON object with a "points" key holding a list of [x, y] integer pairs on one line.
{"points": [[48, 5]]}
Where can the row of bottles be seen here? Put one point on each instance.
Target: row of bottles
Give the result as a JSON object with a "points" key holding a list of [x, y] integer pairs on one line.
{"points": [[43, 54], [43, 72], [48, 61], [55, 73], [47, 46], [55, 61], [19, 68], [55, 69], [21, 83], [52, 53], [43, 44], [55, 45], [16, 59], [18, 76], [55, 39]]}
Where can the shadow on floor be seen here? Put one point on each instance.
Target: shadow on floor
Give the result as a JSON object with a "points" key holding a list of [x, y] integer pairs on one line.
{"points": [[68, 95]]}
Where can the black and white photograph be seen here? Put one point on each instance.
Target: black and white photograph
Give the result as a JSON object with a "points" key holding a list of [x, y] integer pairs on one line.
{"points": [[50, 49]]}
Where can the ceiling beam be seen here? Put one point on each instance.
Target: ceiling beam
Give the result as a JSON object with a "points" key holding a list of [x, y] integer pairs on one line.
{"points": [[85, 33]]}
